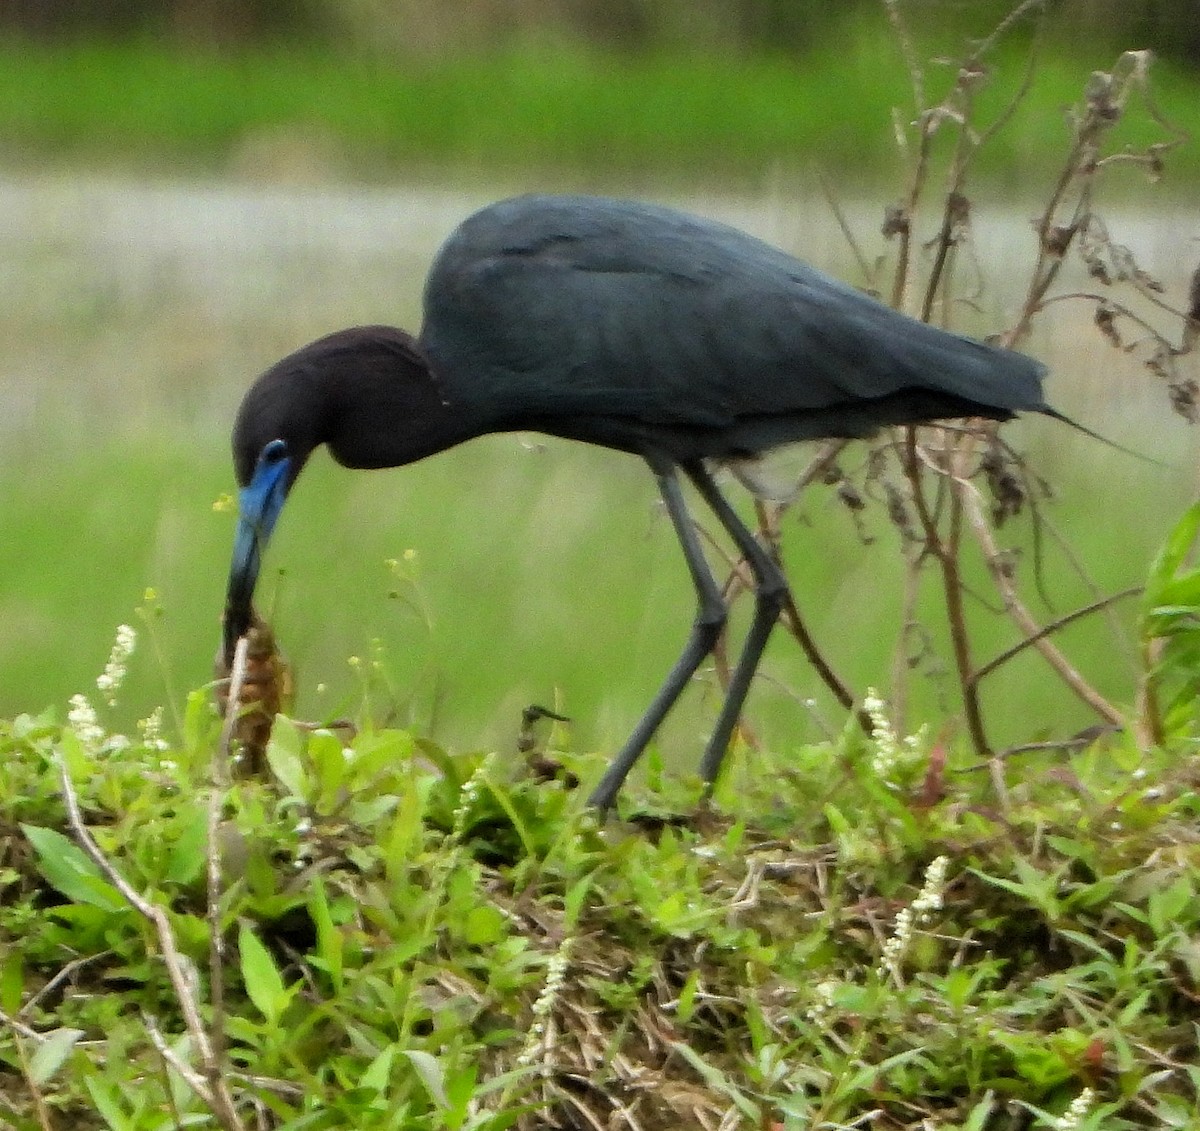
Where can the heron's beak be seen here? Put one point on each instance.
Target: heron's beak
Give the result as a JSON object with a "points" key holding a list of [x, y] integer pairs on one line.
{"points": [[259, 504]]}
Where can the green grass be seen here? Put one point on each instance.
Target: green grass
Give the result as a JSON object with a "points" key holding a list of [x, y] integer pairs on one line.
{"points": [[697, 118]]}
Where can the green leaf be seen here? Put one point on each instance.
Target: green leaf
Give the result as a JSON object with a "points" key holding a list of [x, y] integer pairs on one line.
{"points": [[51, 1053], [283, 756], [1167, 905], [186, 860], [431, 1074], [574, 901], [328, 758], [71, 871], [379, 1072], [12, 981], [329, 938], [263, 981], [1172, 554], [980, 1113], [687, 997], [107, 1104], [483, 926], [199, 720], [717, 1080]]}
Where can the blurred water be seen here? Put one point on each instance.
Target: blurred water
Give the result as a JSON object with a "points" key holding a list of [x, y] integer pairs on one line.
{"points": [[135, 314]]}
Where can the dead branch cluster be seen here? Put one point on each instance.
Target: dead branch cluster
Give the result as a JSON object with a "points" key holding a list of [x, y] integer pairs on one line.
{"points": [[946, 490]]}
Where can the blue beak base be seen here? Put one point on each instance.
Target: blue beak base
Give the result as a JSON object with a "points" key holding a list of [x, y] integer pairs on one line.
{"points": [[259, 505]]}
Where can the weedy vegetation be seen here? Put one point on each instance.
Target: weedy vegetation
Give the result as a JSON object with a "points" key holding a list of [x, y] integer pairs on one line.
{"points": [[903, 927]]}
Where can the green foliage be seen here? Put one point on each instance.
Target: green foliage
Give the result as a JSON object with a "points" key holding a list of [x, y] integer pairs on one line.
{"points": [[1171, 627], [415, 938]]}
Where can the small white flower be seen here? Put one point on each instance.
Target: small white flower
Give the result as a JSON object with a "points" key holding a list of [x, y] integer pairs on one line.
{"points": [[887, 748], [1071, 1119], [890, 750], [556, 975], [83, 721], [108, 683], [929, 900], [825, 991], [470, 791], [150, 728]]}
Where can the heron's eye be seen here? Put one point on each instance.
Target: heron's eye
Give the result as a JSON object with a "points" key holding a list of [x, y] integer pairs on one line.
{"points": [[275, 451]]}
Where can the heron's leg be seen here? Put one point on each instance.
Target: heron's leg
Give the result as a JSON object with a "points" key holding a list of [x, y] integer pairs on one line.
{"points": [[710, 619], [770, 589]]}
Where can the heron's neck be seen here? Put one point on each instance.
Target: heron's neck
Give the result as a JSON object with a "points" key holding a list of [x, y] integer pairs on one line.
{"points": [[395, 416]]}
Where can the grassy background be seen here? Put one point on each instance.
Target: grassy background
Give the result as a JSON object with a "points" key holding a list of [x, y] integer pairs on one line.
{"points": [[609, 117]]}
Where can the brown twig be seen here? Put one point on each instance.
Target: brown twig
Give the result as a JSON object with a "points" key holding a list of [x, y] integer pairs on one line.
{"points": [[1050, 628], [218, 785], [1002, 573], [912, 61], [40, 1107], [945, 552]]}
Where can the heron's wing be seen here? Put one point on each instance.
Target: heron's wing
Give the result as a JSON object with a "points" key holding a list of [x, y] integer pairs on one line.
{"points": [[558, 306]]}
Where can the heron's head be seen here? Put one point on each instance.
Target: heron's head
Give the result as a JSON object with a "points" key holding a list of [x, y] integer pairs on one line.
{"points": [[365, 391]]}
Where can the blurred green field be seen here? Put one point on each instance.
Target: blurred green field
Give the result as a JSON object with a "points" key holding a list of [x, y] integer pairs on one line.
{"points": [[600, 116], [138, 306]]}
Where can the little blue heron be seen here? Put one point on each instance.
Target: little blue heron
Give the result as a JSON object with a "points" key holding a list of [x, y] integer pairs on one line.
{"points": [[634, 327]]}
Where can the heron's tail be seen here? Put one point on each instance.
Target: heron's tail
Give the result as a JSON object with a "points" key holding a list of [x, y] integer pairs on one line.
{"points": [[1046, 410]]}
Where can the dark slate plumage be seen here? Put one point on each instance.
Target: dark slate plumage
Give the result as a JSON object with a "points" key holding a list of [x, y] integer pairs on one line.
{"points": [[571, 308], [632, 326]]}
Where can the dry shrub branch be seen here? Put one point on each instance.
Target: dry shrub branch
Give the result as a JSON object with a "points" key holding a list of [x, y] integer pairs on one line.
{"points": [[948, 489]]}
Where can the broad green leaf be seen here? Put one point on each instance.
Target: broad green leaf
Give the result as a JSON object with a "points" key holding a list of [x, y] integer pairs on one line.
{"points": [[379, 1071], [1172, 554], [283, 756], [12, 980], [263, 981], [431, 1074], [186, 860], [329, 938], [483, 926], [107, 1104], [51, 1053], [71, 871], [328, 759]]}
